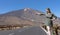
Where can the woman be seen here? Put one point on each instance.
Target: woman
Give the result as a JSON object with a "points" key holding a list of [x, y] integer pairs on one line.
{"points": [[49, 22]]}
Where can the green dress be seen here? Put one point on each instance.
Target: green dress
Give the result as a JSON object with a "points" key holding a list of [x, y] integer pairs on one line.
{"points": [[48, 21]]}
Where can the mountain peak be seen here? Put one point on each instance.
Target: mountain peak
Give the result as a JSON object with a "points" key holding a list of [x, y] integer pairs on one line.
{"points": [[25, 9]]}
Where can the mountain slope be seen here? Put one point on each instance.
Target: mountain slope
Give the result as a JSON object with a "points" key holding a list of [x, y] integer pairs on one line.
{"points": [[26, 15]]}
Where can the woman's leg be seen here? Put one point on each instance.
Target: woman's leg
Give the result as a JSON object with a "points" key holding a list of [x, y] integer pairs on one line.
{"points": [[48, 29]]}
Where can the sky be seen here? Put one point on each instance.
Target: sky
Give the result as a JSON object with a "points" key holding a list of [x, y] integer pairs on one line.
{"points": [[41, 5]]}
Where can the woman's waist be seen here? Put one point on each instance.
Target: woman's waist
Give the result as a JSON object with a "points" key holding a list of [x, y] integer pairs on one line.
{"points": [[49, 17]]}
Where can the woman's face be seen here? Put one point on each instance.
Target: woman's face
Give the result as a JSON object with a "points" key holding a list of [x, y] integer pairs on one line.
{"points": [[47, 10]]}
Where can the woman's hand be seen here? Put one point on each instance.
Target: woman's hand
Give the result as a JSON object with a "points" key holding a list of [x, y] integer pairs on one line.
{"points": [[53, 19]]}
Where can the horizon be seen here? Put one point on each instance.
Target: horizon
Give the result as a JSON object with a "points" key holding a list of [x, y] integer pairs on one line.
{"points": [[41, 5]]}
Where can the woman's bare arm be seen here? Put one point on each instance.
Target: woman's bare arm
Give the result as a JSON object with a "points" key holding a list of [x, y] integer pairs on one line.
{"points": [[53, 17], [42, 14]]}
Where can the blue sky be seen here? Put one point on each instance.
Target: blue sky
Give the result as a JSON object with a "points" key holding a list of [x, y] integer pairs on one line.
{"points": [[10, 5]]}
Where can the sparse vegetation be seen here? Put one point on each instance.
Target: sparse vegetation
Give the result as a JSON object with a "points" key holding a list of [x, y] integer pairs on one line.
{"points": [[12, 27]]}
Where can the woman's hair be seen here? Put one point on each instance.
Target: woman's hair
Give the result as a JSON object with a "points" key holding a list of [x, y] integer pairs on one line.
{"points": [[48, 10]]}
